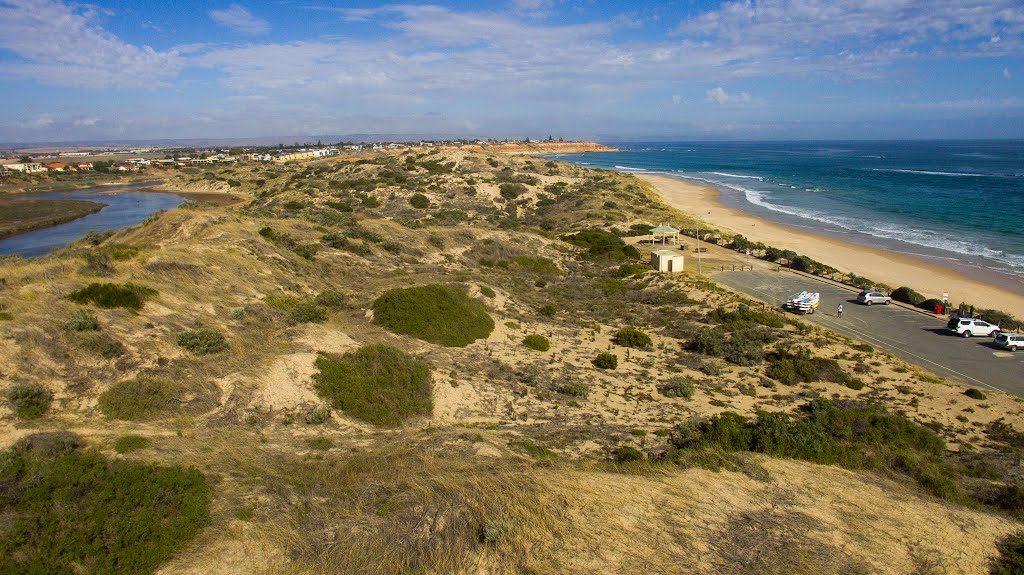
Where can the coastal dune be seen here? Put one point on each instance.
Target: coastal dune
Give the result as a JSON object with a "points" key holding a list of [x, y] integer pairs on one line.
{"points": [[880, 265]]}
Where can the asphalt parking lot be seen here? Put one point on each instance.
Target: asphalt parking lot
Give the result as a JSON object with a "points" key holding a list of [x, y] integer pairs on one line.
{"points": [[918, 338]]}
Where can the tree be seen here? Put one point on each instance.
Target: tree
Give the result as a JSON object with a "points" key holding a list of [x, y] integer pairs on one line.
{"points": [[25, 159]]}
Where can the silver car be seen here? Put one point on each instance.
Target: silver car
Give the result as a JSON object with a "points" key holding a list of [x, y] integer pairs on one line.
{"points": [[872, 297], [1010, 341]]}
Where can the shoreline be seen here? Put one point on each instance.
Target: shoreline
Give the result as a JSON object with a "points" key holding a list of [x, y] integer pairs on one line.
{"points": [[881, 265], [79, 209]]}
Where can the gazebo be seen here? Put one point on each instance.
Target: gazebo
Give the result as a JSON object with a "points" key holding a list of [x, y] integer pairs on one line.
{"points": [[664, 232]]}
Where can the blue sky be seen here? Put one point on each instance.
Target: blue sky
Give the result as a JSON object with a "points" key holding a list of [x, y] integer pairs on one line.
{"points": [[773, 69]]}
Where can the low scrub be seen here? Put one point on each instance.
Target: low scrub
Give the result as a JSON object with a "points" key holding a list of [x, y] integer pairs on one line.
{"points": [[285, 240], [69, 510], [573, 387], [801, 367], [202, 341], [419, 201], [632, 337], [376, 383], [83, 320], [29, 400], [434, 313], [148, 398], [298, 310], [744, 317], [606, 361], [1011, 556], [110, 295], [744, 347], [537, 342], [678, 386], [331, 299], [907, 295], [101, 344], [599, 244], [129, 443], [851, 435]]}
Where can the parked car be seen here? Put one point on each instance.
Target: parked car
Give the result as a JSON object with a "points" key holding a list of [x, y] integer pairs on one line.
{"points": [[968, 326], [872, 297], [1010, 341]]}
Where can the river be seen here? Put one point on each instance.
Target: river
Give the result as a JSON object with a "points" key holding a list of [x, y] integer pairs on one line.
{"points": [[125, 208]]}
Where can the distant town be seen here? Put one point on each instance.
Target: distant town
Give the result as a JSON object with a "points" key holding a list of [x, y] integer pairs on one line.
{"points": [[134, 159]]}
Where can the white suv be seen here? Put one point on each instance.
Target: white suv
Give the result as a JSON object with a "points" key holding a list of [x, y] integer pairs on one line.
{"points": [[1010, 341], [968, 326]]}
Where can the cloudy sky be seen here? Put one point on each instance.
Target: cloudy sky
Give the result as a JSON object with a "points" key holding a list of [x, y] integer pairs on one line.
{"points": [[771, 69]]}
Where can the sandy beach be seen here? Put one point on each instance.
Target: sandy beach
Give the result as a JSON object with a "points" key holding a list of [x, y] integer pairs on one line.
{"points": [[880, 265]]}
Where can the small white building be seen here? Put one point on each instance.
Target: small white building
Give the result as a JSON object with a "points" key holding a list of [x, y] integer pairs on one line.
{"points": [[669, 261]]}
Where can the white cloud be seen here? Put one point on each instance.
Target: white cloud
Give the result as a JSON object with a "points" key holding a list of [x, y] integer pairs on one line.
{"points": [[533, 8], [1006, 73], [677, 99], [239, 18], [719, 96], [63, 46]]}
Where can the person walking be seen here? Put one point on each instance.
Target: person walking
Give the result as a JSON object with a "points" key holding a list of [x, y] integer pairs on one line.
{"points": [[839, 312]]}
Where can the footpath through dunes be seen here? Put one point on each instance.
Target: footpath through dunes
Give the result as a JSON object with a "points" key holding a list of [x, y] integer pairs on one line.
{"points": [[578, 422], [889, 267]]}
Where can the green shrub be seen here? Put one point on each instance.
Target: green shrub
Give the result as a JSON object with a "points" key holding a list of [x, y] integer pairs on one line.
{"points": [[975, 393], [547, 310], [792, 369], [317, 415], [627, 454], [907, 295], [320, 443], [141, 399], [606, 361], [331, 299], [434, 313], [102, 345], [864, 347], [537, 342], [419, 201], [573, 387], [129, 443], [109, 295], [202, 341], [83, 320], [29, 400], [600, 244], [72, 511], [293, 205], [534, 450], [511, 191], [4, 314], [678, 386], [375, 383], [931, 304], [486, 291], [855, 384], [1000, 318], [744, 317], [285, 240], [1011, 556], [307, 312], [631, 270], [632, 337], [237, 313]]}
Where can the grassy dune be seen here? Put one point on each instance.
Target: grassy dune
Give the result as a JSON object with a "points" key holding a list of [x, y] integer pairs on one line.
{"points": [[725, 437]]}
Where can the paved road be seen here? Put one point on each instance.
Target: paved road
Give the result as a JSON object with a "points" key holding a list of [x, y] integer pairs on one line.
{"points": [[917, 338]]}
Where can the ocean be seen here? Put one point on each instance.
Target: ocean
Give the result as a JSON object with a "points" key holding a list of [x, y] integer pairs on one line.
{"points": [[959, 204]]}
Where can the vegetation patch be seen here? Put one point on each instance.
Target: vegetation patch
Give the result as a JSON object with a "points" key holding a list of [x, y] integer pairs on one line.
{"points": [[285, 240], [101, 344], [606, 360], [907, 295], [375, 383], [83, 320], [298, 310], [419, 201], [975, 393], [743, 347], [29, 400], [110, 295], [67, 510], [678, 386], [744, 317], [434, 313], [599, 244], [800, 367], [149, 398], [632, 337], [129, 443], [202, 341], [537, 342]]}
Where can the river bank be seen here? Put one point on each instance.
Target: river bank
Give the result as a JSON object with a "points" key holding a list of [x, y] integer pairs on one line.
{"points": [[881, 265], [18, 217]]}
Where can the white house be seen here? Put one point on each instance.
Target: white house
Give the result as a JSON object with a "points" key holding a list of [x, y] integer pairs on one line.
{"points": [[669, 261]]}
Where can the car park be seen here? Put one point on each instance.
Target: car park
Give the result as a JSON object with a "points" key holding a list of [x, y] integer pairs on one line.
{"points": [[1010, 341], [968, 326], [872, 297]]}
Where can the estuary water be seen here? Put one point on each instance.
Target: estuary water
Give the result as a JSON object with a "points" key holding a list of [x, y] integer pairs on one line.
{"points": [[126, 206], [956, 203]]}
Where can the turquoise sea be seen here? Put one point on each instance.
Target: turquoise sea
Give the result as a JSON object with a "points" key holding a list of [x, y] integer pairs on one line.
{"points": [[956, 203]]}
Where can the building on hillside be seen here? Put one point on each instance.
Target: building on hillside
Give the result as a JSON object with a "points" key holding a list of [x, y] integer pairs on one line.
{"points": [[669, 261], [28, 168], [290, 156], [85, 166], [58, 167], [261, 157]]}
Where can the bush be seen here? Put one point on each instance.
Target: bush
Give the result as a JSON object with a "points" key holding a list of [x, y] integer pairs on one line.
{"points": [[202, 341], [744, 317], [907, 295], [1011, 556], [129, 443], [486, 291], [73, 511], [375, 383], [317, 415], [606, 361], [331, 299], [320, 443], [83, 320], [792, 369], [110, 295], [419, 201], [140, 399], [102, 345], [600, 244], [434, 313], [573, 387], [511, 191], [975, 393], [307, 312], [547, 310], [626, 454], [931, 304], [537, 342], [632, 337], [678, 387], [29, 400], [1000, 318]]}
